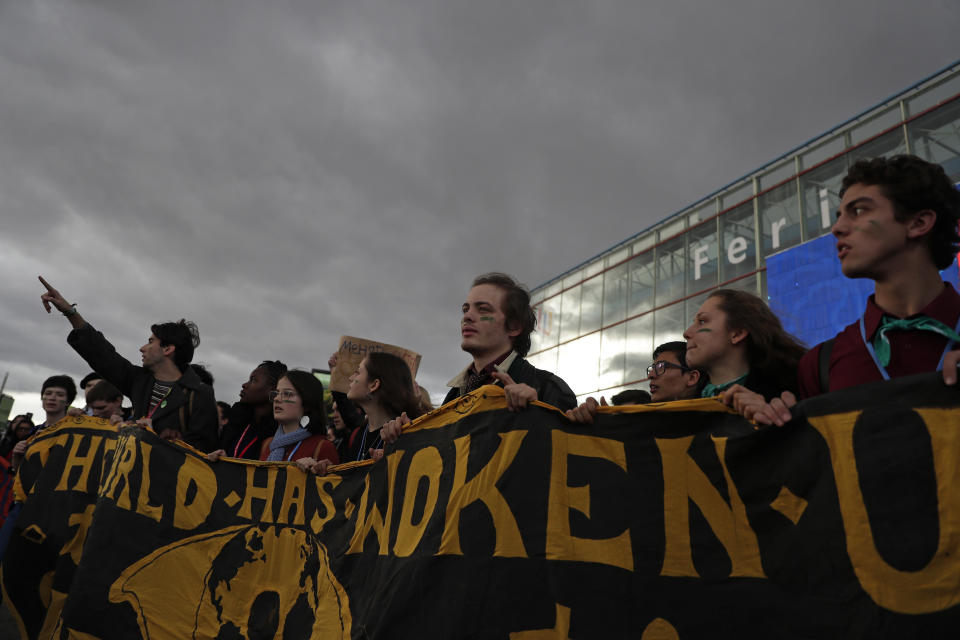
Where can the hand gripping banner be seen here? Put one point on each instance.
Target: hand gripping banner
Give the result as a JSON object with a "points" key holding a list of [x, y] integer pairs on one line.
{"points": [[678, 520]]}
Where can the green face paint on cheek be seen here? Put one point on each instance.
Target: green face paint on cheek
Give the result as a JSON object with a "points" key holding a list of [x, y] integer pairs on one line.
{"points": [[486, 318], [871, 226], [704, 330]]}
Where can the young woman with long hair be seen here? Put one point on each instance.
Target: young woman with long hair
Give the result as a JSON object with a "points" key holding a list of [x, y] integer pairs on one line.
{"points": [[383, 387], [298, 423], [301, 421], [738, 340]]}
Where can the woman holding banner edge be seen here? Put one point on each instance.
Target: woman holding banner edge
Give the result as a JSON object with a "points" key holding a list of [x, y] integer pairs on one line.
{"points": [[739, 341], [383, 387], [301, 422]]}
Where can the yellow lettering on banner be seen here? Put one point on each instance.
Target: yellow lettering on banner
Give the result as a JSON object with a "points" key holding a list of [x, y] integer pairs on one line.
{"points": [[293, 490], [254, 491], [375, 520], [82, 521], [559, 631], [684, 481], [426, 463], [38, 454], [936, 587], [123, 464], [44, 447], [77, 461], [561, 544], [483, 487], [194, 473], [326, 498], [660, 629], [143, 499], [52, 617]]}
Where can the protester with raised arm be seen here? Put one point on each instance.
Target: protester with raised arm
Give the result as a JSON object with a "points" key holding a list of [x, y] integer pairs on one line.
{"points": [[165, 390], [897, 226]]}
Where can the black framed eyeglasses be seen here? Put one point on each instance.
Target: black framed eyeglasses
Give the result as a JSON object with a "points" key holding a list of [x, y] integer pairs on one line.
{"points": [[660, 367]]}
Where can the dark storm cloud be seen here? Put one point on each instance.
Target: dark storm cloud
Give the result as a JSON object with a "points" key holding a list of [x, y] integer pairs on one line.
{"points": [[284, 173]]}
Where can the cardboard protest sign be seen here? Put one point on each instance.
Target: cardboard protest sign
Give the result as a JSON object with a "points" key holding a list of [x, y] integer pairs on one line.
{"points": [[353, 350]]}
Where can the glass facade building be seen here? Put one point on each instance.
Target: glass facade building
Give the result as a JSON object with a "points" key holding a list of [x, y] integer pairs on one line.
{"points": [[599, 322]]}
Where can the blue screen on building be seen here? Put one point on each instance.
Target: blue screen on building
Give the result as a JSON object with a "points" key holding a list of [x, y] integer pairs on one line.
{"points": [[813, 299]]}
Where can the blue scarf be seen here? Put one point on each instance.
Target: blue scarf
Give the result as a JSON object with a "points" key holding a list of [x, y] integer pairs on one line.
{"points": [[283, 440]]}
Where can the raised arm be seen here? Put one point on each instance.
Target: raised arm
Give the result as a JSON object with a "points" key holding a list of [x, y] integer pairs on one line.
{"points": [[54, 298], [90, 343]]}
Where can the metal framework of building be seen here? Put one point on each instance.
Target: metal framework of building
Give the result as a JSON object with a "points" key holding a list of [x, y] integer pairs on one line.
{"points": [[599, 322]]}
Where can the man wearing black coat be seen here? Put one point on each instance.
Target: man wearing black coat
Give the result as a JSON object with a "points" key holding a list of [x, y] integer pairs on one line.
{"points": [[495, 329], [166, 390]]}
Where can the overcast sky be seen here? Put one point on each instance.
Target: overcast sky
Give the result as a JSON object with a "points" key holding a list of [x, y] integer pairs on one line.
{"points": [[287, 172]]}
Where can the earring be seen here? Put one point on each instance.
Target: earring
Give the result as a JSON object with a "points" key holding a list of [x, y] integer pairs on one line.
{"points": [[304, 421]]}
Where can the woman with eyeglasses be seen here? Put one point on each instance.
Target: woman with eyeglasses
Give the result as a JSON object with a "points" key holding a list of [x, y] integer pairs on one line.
{"points": [[738, 342], [301, 421], [383, 387]]}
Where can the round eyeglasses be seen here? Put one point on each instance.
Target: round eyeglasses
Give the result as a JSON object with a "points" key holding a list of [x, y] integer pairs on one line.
{"points": [[286, 395]]}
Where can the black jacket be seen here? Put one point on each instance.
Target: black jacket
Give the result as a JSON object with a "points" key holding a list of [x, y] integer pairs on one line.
{"points": [[243, 436], [551, 389], [353, 419], [190, 408]]}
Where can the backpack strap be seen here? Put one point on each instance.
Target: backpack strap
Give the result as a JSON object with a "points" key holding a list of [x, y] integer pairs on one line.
{"points": [[183, 411], [823, 365]]}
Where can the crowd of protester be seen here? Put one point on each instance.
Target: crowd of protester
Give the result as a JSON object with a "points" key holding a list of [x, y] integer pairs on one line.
{"points": [[896, 225]]}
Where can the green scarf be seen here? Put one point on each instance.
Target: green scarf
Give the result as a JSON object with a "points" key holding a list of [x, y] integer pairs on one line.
{"points": [[716, 389], [881, 343]]}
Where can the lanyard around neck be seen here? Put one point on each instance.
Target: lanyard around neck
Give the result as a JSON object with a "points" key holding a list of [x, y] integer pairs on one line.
{"points": [[290, 457], [363, 444], [873, 354], [236, 449]]}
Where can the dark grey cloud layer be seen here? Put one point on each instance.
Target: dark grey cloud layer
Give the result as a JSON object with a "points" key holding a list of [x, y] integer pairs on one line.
{"points": [[287, 172]]}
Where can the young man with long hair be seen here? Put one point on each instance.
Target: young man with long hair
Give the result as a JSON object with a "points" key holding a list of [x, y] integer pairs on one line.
{"points": [[166, 392]]}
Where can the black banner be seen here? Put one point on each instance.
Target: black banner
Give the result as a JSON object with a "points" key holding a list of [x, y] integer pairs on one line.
{"points": [[678, 520]]}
